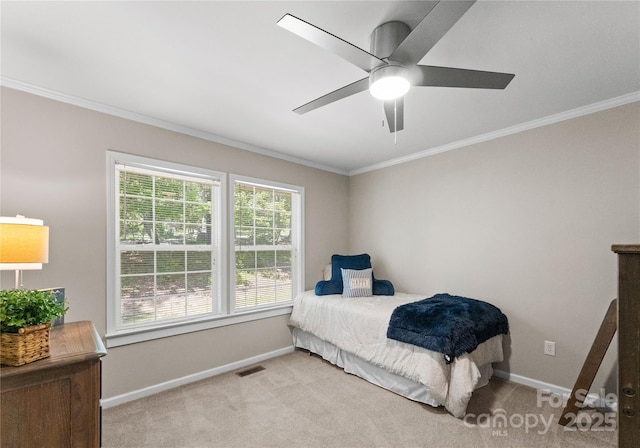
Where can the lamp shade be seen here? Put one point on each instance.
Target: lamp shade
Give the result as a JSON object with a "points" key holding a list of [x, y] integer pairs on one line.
{"points": [[24, 243]]}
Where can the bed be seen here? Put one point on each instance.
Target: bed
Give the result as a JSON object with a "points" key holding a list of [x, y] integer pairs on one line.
{"points": [[351, 332]]}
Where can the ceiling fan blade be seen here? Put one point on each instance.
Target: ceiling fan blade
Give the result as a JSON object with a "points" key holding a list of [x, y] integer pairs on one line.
{"points": [[428, 75], [343, 92], [394, 111], [328, 41], [429, 31]]}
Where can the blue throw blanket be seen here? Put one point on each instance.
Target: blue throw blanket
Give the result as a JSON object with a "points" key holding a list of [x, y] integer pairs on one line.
{"points": [[447, 324]]}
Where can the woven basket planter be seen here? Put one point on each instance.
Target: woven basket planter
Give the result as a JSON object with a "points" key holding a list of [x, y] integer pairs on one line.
{"points": [[28, 345]]}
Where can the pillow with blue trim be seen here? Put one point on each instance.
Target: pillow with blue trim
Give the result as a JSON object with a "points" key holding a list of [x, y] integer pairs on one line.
{"points": [[357, 282]]}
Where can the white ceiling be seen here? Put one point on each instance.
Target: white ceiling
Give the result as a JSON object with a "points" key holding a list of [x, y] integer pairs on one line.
{"points": [[225, 69]]}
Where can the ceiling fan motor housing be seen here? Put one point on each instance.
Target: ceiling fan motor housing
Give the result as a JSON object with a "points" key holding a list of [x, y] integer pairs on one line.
{"points": [[387, 37]]}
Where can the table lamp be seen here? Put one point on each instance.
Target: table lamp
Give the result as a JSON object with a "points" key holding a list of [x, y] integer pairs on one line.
{"points": [[24, 245]]}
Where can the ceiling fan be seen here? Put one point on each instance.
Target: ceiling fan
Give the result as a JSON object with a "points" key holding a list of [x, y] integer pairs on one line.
{"points": [[395, 51]]}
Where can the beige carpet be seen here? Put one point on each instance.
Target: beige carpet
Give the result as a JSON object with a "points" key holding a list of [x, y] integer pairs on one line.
{"points": [[303, 401]]}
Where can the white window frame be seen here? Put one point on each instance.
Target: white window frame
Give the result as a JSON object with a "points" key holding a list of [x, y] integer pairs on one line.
{"points": [[117, 336], [297, 227]]}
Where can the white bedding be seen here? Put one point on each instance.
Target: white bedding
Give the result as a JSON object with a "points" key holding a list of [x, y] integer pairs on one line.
{"points": [[358, 325]]}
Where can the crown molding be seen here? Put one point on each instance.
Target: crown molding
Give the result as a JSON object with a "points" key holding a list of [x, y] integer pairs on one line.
{"points": [[156, 122], [152, 121], [551, 119]]}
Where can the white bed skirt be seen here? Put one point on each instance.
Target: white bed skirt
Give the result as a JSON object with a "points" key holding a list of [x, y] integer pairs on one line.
{"points": [[372, 373]]}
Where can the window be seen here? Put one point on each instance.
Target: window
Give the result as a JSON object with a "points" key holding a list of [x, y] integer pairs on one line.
{"points": [[169, 267], [267, 241], [166, 243]]}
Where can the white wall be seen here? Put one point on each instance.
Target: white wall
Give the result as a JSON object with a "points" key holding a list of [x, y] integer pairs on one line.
{"points": [[526, 222], [53, 167]]}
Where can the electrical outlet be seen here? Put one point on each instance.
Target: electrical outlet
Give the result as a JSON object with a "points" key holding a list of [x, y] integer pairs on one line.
{"points": [[550, 348]]}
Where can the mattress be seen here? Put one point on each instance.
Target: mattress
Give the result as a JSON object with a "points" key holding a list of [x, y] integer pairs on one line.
{"points": [[357, 328]]}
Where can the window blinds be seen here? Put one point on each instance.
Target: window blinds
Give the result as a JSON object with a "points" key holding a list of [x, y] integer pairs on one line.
{"points": [[167, 238]]}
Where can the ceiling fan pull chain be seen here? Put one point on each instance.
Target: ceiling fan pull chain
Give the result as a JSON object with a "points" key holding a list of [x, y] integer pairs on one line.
{"points": [[395, 122]]}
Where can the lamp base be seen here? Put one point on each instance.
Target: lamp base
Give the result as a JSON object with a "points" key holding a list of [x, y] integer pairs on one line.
{"points": [[18, 279]]}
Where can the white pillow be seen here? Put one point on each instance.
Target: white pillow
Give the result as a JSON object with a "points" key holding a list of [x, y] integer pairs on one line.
{"points": [[326, 273], [356, 283]]}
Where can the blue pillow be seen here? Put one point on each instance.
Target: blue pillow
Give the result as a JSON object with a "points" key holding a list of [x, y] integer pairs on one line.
{"points": [[340, 262], [327, 287], [356, 262], [382, 287]]}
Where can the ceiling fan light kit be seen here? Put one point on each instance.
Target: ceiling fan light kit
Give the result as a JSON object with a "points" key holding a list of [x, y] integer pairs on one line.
{"points": [[396, 50], [388, 82]]}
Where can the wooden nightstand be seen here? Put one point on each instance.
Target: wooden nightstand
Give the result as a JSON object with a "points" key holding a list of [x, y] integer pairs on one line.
{"points": [[55, 402]]}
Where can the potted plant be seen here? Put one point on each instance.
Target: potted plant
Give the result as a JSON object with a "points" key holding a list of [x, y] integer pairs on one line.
{"points": [[25, 321]]}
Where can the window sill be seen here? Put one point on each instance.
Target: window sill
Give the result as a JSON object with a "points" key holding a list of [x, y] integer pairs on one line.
{"points": [[137, 335]]}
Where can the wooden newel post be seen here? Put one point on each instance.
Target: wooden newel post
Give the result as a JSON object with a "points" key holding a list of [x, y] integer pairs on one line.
{"points": [[628, 345]]}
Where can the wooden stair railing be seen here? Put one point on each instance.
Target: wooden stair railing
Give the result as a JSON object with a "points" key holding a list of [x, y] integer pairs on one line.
{"points": [[591, 365], [624, 315]]}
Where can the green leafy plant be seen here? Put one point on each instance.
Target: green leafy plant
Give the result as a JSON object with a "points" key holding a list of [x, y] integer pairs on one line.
{"points": [[24, 308]]}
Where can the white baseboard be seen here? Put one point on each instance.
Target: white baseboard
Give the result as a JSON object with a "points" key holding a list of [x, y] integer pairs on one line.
{"points": [[590, 400], [150, 390], [536, 384], [140, 393]]}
